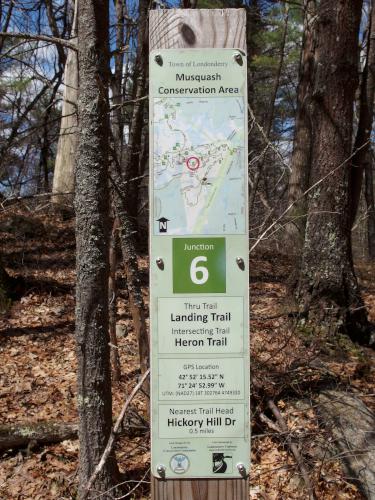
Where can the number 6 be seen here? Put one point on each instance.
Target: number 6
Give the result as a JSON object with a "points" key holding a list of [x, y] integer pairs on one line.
{"points": [[195, 269]]}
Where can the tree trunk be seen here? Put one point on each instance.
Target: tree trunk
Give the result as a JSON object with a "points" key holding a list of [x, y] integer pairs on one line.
{"points": [[328, 292], [271, 114], [55, 32], [5, 289], [301, 156], [129, 252], [43, 174], [4, 27], [366, 110], [117, 132], [125, 196], [254, 24], [370, 203], [92, 227], [131, 161], [116, 82], [63, 178], [115, 358]]}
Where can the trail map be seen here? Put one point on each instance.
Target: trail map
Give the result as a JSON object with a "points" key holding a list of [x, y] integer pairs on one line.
{"points": [[199, 165]]}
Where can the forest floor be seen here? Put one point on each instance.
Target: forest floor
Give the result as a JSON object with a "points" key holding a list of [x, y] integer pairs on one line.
{"points": [[38, 379]]}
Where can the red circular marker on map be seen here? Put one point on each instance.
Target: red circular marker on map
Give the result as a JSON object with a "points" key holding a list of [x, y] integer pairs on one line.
{"points": [[193, 163]]}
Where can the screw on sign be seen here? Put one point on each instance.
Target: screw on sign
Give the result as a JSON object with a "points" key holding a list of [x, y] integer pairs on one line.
{"points": [[193, 163]]}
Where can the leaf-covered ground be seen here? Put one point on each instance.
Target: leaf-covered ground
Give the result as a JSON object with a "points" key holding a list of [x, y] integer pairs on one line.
{"points": [[37, 373]]}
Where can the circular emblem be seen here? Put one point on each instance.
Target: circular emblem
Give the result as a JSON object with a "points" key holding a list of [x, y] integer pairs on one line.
{"points": [[193, 163], [179, 463]]}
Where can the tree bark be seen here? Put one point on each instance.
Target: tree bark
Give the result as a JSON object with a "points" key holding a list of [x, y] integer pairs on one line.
{"points": [[92, 226], [117, 122], [328, 291], [366, 110], [63, 178], [117, 132], [301, 156], [115, 358], [370, 203]]}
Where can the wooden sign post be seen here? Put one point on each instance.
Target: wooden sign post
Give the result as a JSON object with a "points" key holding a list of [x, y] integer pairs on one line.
{"points": [[199, 255]]}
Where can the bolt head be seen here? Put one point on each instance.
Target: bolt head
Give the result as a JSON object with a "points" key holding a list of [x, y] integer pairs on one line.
{"points": [[160, 469], [160, 263], [238, 58], [240, 263], [242, 470], [159, 60]]}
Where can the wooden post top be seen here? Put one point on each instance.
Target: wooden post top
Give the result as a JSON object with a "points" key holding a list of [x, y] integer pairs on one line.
{"points": [[197, 28]]}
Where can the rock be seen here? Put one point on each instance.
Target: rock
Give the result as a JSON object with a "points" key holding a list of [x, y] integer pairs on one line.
{"points": [[353, 430]]}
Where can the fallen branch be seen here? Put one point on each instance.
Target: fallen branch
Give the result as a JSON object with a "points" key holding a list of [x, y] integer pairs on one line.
{"points": [[293, 448], [263, 418], [22, 434], [112, 437]]}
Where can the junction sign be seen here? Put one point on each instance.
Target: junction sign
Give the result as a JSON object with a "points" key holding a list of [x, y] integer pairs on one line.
{"points": [[199, 264]]}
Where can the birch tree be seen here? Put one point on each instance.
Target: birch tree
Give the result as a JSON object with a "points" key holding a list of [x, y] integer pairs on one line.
{"points": [[63, 178]]}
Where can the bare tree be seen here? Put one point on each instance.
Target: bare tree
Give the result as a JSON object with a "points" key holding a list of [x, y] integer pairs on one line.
{"points": [[92, 227], [301, 156], [362, 160], [271, 109], [125, 191], [328, 291], [63, 178], [370, 204]]}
